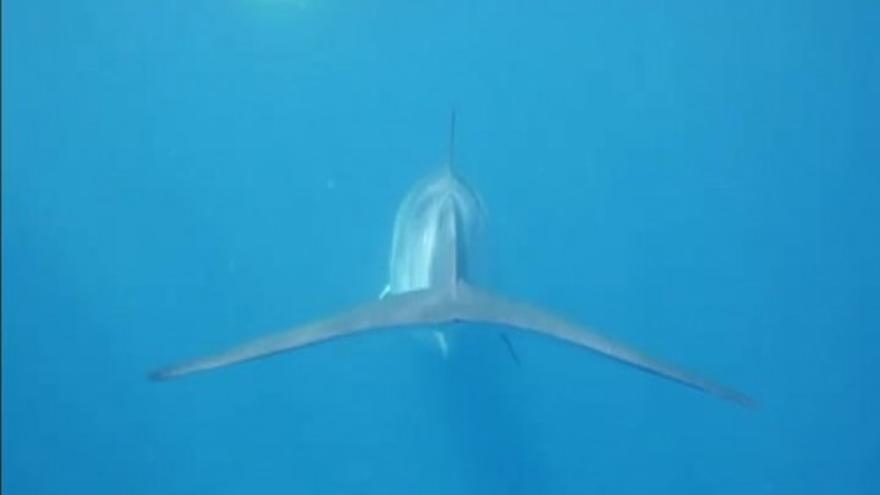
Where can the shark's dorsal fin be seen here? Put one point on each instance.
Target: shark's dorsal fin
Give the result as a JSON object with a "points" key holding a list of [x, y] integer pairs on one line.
{"points": [[451, 220], [450, 160]]}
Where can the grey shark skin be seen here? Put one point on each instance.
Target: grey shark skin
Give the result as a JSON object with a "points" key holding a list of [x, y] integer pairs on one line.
{"points": [[434, 251]]}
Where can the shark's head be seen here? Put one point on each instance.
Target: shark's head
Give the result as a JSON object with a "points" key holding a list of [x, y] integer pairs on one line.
{"points": [[437, 233]]}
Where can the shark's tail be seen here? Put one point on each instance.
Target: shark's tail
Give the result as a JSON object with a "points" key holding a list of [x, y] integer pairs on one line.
{"points": [[458, 303]]}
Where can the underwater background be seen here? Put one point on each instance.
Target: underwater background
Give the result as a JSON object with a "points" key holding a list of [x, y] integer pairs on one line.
{"points": [[698, 179]]}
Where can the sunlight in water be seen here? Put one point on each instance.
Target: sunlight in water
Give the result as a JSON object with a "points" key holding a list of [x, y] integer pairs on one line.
{"points": [[299, 4]]}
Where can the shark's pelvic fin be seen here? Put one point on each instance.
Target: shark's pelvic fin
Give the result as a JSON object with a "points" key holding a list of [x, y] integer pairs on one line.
{"points": [[461, 302], [442, 343], [510, 349]]}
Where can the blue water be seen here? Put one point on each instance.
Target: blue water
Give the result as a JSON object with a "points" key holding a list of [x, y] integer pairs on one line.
{"points": [[695, 178]]}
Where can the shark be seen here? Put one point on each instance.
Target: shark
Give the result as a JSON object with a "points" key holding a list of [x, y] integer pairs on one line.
{"points": [[434, 258]]}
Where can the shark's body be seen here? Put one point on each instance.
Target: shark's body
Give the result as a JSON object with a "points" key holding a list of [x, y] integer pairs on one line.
{"points": [[437, 233], [434, 252]]}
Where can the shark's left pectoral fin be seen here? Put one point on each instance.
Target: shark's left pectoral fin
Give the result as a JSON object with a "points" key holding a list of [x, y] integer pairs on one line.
{"points": [[479, 306], [423, 307]]}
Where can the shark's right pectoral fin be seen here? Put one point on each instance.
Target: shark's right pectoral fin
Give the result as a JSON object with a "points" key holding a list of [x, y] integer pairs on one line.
{"points": [[479, 306], [412, 308]]}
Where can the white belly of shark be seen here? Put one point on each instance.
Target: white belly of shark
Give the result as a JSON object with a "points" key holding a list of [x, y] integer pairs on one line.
{"points": [[434, 252], [439, 224]]}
